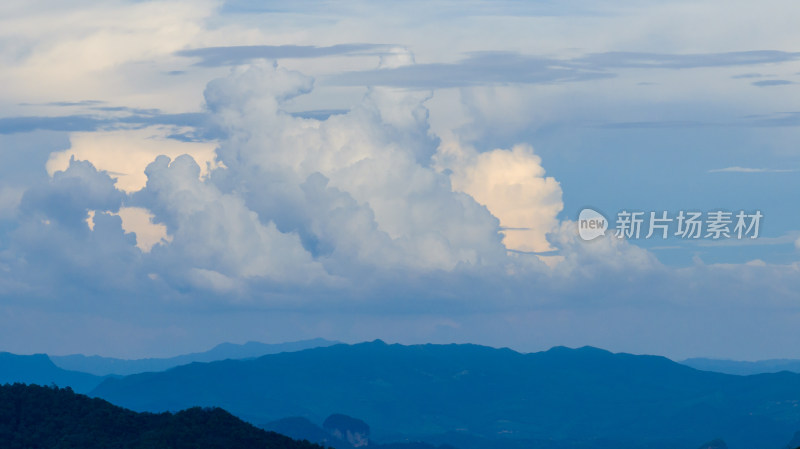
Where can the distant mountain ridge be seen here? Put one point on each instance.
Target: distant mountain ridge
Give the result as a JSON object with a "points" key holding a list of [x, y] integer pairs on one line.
{"points": [[301, 428], [84, 373], [475, 397], [39, 369], [740, 368], [103, 366]]}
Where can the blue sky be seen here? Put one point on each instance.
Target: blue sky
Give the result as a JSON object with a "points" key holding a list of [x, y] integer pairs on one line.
{"points": [[176, 174]]}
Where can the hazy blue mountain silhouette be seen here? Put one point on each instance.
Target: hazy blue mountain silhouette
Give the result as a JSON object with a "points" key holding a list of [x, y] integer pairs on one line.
{"points": [[39, 369], [33, 417], [301, 428], [478, 397], [102, 366], [744, 368]]}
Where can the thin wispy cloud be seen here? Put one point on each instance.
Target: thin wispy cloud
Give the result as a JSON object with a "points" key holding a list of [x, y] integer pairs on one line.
{"points": [[233, 55], [787, 239], [481, 68], [769, 83], [686, 61], [775, 120], [82, 122], [491, 68], [737, 169], [749, 76]]}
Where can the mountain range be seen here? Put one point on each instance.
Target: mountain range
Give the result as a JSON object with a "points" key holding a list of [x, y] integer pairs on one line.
{"points": [[39, 369], [466, 396], [83, 373], [744, 368], [103, 366], [476, 397], [339, 432]]}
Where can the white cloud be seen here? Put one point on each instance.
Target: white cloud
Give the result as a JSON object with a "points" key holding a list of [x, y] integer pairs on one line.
{"points": [[286, 202], [602, 256], [69, 52], [215, 232], [369, 203], [53, 252], [126, 153], [375, 159], [513, 186]]}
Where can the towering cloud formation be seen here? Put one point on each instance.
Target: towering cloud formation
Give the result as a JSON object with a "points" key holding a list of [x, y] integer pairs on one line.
{"points": [[53, 251], [512, 185], [359, 188], [370, 197]]}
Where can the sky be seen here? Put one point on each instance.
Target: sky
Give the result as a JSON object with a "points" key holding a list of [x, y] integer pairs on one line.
{"points": [[179, 174]]}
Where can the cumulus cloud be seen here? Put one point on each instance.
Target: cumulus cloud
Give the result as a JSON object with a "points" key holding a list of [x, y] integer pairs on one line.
{"points": [[125, 153], [285, 203], [54, 253], [285, 208], [72, 193], [513, 186], [602, 256], [214, 235], [366, 211], [374, 160]]}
